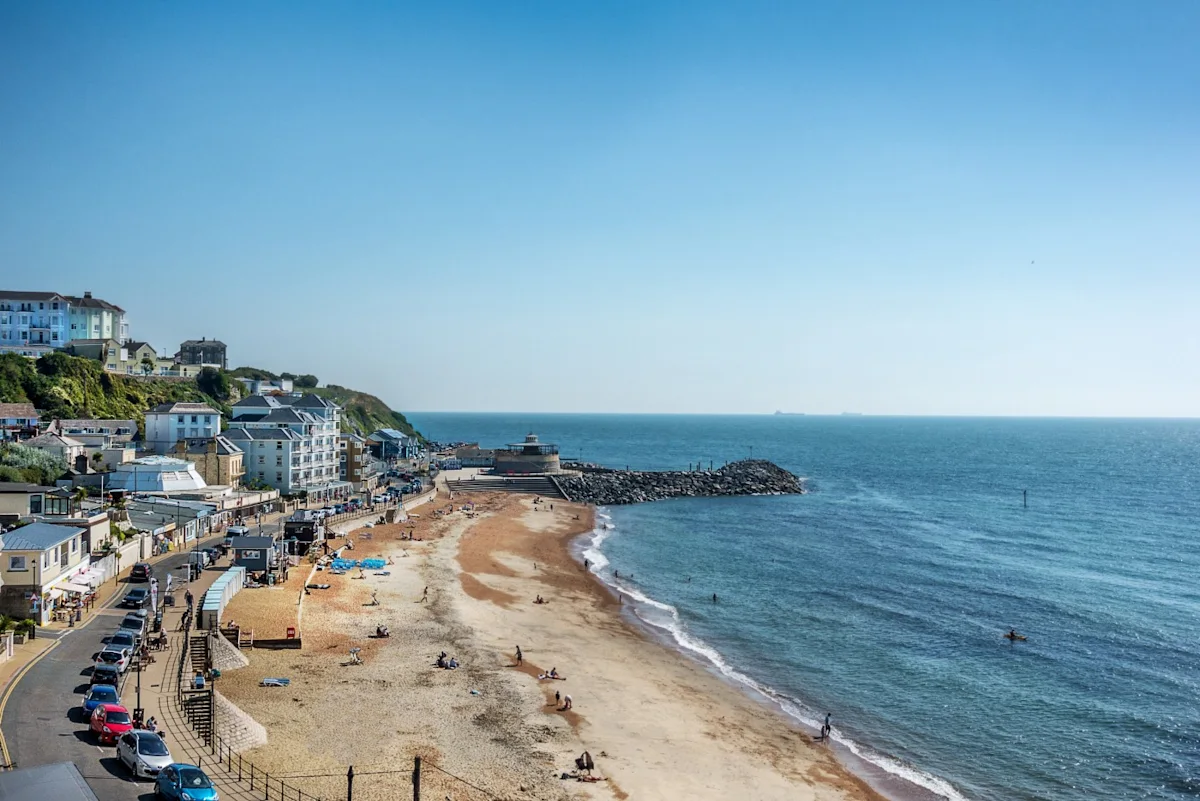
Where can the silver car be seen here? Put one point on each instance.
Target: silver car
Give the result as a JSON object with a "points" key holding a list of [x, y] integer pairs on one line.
{"points": [[143, 752]]}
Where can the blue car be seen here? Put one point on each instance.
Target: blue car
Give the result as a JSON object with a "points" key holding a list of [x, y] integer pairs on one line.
{"points": [[181, 782], [99, 694]]}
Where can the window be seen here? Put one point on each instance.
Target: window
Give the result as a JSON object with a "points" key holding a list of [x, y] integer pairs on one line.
{"points": [[260, 474], [74, 545], [279, 477], [260, 458], [208, 418], [54, 305], [180, 419], [35, 504], [17, 563], [278, 446], [194, 418], [45, 559], [279, 461]]}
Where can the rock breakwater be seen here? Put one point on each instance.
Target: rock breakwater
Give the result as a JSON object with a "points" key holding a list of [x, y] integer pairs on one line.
{"points": [[746, 477]]}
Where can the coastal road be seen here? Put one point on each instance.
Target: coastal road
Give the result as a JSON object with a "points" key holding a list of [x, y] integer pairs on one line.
{"points": [[43, 722]]}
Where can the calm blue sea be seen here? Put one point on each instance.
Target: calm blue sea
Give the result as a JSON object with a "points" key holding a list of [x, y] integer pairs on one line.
{"points": [[881, 596]]}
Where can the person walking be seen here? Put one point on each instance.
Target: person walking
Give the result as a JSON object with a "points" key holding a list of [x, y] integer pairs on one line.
{"points": [[425, 595], [826, 729], [520, 656]]}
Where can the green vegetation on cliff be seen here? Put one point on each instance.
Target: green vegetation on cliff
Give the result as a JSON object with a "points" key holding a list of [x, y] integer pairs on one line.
{"points": [[59, 385], [361, 412]]}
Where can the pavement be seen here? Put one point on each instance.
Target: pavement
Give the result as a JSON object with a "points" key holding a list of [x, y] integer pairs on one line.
{"points": [[41, 721]]}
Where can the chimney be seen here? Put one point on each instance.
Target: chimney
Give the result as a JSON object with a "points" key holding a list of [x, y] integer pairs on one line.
{"points": [[87, 294]]}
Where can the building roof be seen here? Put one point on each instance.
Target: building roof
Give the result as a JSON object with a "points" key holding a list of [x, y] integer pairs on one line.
{"points": [[52, 440], [133, 344], [290, 416], [260, 401], [88, 302], [387, 434], [93, 426], [9, 294], [16, 487], [251, 542], [61, 781], [179, 407], [311, 401], [17, 410], [39, 537], [225, 446], [238, 434], [348, 435], [100, 341], [203, 342]]}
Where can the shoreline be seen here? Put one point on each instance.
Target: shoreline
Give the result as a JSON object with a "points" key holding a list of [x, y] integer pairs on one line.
{"points": [[890, 784], [655, 722]]}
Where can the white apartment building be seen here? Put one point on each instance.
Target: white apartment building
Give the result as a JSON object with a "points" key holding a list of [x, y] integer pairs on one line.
{"points": [[35, 323], [168, 423], [310, 463]]}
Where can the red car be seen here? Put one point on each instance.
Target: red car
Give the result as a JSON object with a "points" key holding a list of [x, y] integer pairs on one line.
{"points": [[110, 721]]}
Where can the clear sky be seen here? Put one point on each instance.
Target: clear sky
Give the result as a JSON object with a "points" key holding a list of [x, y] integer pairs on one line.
{"points": [[884, 207]]}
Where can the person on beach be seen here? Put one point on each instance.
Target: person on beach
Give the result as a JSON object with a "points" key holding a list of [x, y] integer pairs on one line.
{"points": [[616, 574], [567, 703], [425, 595], [585, 564], [714, 597], [557, 698], [520, 656], [826, 728]]}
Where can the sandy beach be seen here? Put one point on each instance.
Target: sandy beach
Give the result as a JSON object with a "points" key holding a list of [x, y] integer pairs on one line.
{"points": [[657, 724]]}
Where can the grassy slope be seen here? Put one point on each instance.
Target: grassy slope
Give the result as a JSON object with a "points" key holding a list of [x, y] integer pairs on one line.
{"points": [[59, 385], [364, 412]]}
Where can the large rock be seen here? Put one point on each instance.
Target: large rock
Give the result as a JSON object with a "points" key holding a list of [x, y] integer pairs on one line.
{"points": [[747, 477]]}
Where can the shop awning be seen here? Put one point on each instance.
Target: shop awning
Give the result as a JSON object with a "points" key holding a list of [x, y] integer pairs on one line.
{"points": [[81, 589]]}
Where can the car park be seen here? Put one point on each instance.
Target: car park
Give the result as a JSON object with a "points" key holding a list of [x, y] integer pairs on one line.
{"points": [[181, 782], [110, 721], [142, 571], [106, 674], [117, 657], [143, 752], [136, 598], [99, 694]]}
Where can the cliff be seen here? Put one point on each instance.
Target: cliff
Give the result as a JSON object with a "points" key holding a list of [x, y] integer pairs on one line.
{"points": [[747, 477], [59, 385]]}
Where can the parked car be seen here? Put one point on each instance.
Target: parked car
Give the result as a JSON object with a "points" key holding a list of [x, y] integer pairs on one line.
{"points": [[106, 674], [134, 625], [110, 721], [123, 639], [136, 598], [118, 657], [197, 557], [181, 782], [142, 571], [99, 694], [143, 752], [213, 554], [234, 531]]}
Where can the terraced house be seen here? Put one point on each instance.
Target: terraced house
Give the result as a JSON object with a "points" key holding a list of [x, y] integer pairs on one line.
{"points": [[36, 323]]}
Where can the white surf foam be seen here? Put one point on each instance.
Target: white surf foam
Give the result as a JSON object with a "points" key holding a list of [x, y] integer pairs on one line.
{"points": [[665, 617]]}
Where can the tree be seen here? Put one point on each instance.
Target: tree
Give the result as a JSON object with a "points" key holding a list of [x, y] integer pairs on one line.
{"points": [[214, 383], [306, 381], [288, 376], [147, 365], [79, 496]]}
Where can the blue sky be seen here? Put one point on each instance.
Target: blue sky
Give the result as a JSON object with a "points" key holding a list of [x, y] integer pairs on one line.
{"points": [[908, 208]]}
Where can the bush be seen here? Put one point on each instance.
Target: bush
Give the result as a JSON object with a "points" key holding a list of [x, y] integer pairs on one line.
{"points": [[306, 381], [214, 383], [22, 464], [25, 626]]}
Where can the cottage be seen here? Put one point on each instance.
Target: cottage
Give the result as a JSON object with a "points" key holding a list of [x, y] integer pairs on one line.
{"points": [[21, 500], [65, 449], [18, 421], [36, 563], [256, 554]]}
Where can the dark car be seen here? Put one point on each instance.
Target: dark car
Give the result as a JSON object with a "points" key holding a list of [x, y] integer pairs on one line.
{"points": [[213, 554], [106, 674], [142, 571], [136, 599]]}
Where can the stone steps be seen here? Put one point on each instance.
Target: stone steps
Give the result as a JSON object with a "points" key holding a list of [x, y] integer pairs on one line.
{"points": [[526, 485]]}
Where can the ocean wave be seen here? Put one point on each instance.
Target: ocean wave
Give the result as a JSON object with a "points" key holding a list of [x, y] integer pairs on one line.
{"points": [[665, 617]]}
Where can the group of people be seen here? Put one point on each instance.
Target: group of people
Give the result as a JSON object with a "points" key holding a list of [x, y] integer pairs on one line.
{"points": [[446, 663], [382, 631], [540, 600]]}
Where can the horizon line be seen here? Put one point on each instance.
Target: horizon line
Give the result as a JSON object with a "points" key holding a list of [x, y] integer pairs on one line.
{"points": [[851, 415]]}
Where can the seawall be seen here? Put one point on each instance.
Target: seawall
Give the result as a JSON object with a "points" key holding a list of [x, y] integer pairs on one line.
{"points": [[614, 487]]}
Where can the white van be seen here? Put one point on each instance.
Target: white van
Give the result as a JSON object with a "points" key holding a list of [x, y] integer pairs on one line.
{"points": [[235, 531]]}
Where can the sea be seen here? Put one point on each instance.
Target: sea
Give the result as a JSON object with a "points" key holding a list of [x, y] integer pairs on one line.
{"points": [[881, 596]]}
